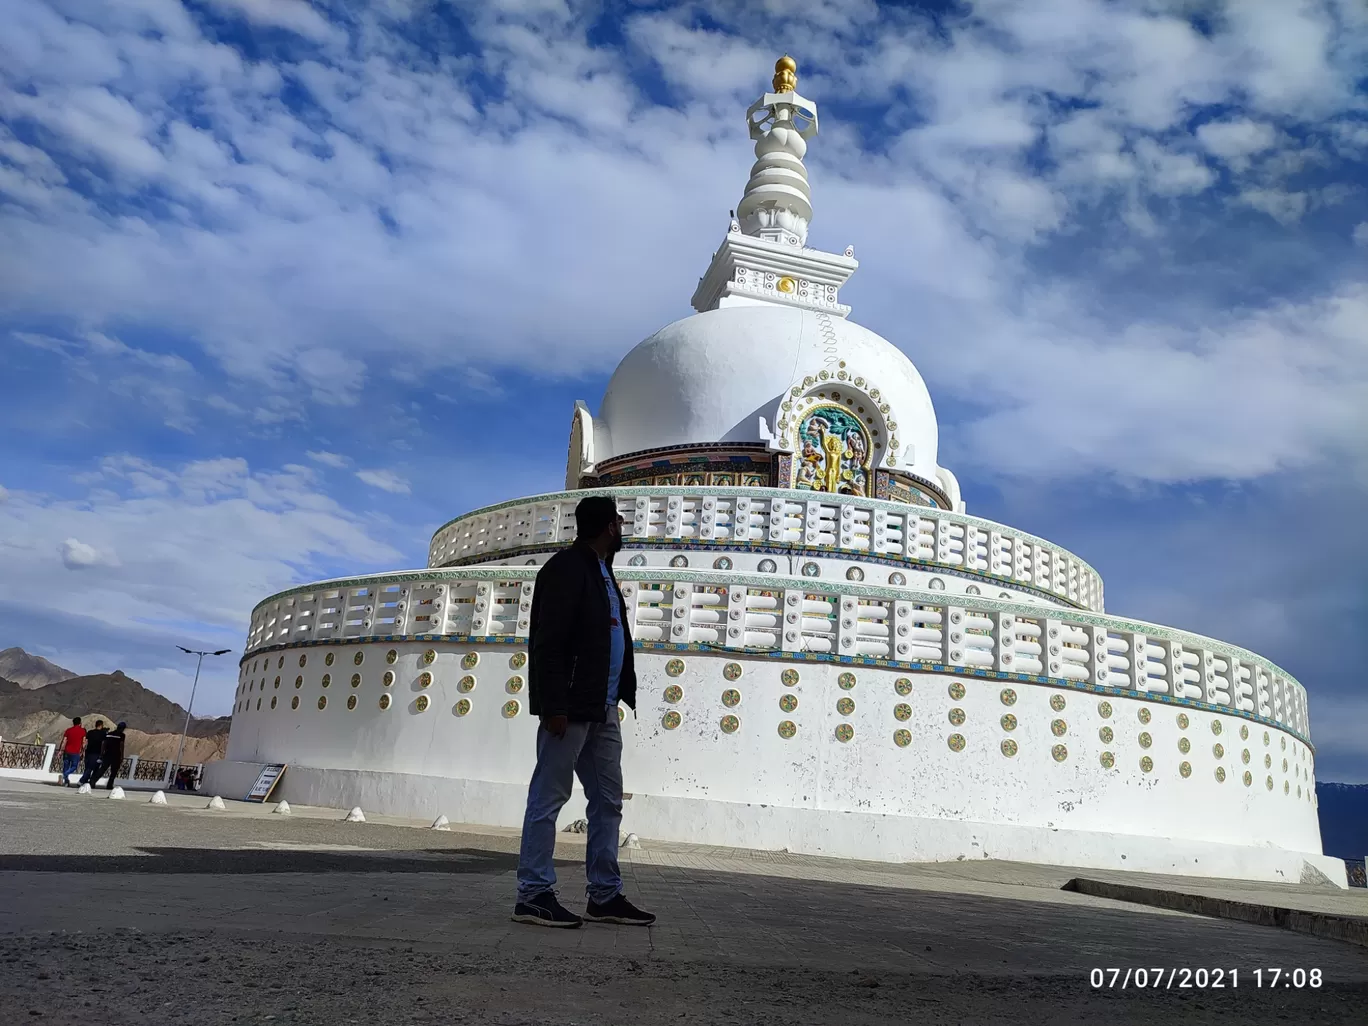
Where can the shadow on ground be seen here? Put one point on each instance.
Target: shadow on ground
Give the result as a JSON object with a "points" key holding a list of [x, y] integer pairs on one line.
{"points": [[235, 861]]}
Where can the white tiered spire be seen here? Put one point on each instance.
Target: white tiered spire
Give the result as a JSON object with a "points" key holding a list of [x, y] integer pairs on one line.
{"points": [[763, 258], [777, 203]]}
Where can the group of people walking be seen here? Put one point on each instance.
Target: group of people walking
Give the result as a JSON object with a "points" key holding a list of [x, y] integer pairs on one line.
{"points": [[103, 749]]}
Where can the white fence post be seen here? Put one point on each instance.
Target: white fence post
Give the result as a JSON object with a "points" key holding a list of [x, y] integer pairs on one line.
{"points": [[792, 640], [1051, 660], [1004, 641], [1139, 663], [952, 635], [847, 625], [1099, 649]]}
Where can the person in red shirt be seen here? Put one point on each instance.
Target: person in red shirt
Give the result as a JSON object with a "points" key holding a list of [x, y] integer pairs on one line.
{"points": [[73, 739]]}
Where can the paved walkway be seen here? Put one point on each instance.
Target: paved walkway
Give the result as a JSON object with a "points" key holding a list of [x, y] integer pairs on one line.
{"points": [[178, 914]]}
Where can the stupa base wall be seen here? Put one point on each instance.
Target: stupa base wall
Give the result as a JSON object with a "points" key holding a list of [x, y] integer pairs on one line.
{"points": [[833, 833]]}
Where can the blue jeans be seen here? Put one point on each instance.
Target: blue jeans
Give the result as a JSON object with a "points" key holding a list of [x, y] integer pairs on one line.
{"points": [[71, 761], [593, 751]]}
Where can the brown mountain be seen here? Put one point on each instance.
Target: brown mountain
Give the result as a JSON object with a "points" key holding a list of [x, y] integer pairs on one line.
{"points": [[30, 671], [113, 696]]}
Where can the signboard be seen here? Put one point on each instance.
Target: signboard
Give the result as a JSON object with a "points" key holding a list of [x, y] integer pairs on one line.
{"points": [[265, 783]]}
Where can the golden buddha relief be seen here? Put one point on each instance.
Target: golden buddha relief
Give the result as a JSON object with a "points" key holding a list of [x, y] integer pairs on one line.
{"points": [[834, 453]]}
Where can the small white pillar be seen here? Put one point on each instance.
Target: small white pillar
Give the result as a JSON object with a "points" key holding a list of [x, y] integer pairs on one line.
{"points": [[441, 823], [216, 802], [355, 816], [157, 799], [283, 809], [117, 793]]}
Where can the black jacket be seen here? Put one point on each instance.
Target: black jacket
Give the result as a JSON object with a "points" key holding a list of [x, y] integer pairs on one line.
{"points": [[94, 742], [568, 641], [113, 747]]}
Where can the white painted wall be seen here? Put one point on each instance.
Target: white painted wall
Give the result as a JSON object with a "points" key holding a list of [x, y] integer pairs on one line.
{"points": [[408, 762]]}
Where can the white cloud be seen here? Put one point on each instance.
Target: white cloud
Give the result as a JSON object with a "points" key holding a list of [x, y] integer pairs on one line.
{"points": [[1361, 233], [1279, 204], [385, 480], [77, 555], [329, 459], [1236, 140], [712, 65], [294, 15], [1243, 397], [1170, 173], [197, 543]]}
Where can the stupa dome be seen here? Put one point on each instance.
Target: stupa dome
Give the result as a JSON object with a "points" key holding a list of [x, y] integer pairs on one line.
{"points": [[723, 375]]}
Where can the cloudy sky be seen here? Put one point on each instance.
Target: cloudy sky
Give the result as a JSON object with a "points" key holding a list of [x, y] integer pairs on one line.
{"points": [[284, 285]]}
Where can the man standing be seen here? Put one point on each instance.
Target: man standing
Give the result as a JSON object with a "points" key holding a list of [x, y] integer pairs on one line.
{"points": [[111, 756], [580, 667], [73, 739], [94, 742]]}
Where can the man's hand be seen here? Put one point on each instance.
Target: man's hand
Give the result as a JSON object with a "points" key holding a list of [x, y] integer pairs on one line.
{"points": [[556, 726]]}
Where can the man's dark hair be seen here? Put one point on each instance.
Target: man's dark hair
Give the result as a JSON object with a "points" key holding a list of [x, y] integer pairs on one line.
{"points": [[99, 723], [593, 515], [75, 721], [122, 724]]}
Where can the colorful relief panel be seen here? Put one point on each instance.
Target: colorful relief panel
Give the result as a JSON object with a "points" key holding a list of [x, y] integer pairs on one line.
{"points": [[896, 489], [834, 454]]}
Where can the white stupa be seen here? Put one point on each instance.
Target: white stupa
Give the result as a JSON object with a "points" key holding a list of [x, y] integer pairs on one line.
{"points": [[833, 657]]}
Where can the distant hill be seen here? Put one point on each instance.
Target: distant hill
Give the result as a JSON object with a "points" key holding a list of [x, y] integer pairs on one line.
{"points": [[1343, 819], [114, 696], [30, 671]]}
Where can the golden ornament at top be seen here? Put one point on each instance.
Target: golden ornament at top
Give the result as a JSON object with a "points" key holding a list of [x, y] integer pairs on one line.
{"points": [[785, 75]]}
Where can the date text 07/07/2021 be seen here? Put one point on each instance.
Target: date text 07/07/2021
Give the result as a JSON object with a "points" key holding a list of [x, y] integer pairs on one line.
{"points": [[1201, 978]]}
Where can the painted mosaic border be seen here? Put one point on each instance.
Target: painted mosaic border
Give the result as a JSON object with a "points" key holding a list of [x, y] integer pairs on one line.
{"points": [[647, 457], [814, 585], [645, 477], [872, 662], [793, 495], [853, 556]]}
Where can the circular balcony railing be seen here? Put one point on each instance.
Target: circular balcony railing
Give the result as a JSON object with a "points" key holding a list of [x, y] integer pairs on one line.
{"points": [[795, 617], [772, 520]]}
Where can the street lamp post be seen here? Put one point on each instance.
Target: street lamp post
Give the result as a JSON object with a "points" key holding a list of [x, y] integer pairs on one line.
{"points": [[194, 652]]}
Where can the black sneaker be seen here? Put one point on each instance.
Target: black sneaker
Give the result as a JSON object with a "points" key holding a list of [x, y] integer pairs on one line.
{"points": [[545, 910], [617, 910]]}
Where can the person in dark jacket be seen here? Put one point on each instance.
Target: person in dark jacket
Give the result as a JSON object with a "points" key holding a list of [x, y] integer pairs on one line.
{"points": [[94, 742], [111, 756], [580, 668]]}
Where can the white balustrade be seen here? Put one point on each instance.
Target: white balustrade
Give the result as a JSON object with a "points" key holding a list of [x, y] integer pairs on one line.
{"points": [[845, 525], [760, 613]]}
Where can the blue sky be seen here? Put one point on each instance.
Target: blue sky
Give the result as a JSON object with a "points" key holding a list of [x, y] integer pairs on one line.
{"points": [[283, 286]]}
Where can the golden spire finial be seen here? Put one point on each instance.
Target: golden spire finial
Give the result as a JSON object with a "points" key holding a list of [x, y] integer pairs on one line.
{"points": [[785, 75]]}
